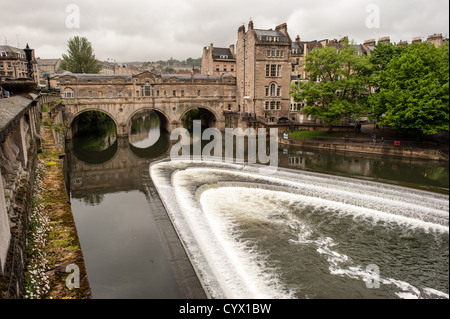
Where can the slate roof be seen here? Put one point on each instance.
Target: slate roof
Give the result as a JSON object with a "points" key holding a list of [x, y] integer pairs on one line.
{"points": [[298, 46], [218, 52], [263, 35], [47, 62]]}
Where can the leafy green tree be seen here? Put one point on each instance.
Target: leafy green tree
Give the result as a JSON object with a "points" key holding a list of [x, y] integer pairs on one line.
{"points": [[414, 90], [338, 84], [380, 58], [80, 57]]}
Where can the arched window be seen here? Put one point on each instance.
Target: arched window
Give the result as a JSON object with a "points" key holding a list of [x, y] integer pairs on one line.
{"points": [[273, 89], [68, 93], [147, 89]]}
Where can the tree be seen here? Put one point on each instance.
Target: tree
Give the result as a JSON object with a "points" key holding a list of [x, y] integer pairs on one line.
{"points": [[414, 90], [338, 84], [80, 57], [380, 58]]}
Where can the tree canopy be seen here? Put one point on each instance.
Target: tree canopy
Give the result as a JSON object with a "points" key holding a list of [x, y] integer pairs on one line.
{"points": [[337, 86], [80, 57], [414, 90]]}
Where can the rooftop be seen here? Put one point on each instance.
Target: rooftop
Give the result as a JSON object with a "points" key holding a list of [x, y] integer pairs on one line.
{"points": [[268, 35]]}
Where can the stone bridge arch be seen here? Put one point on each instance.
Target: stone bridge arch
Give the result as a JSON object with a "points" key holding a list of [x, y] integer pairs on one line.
{"points": [[70, 118], [212, 120], [164, 118]]}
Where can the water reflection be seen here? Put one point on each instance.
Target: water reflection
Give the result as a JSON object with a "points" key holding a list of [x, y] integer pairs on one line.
{"points": [[426, 174], [145, 129], [95, 137], [129, 245]]}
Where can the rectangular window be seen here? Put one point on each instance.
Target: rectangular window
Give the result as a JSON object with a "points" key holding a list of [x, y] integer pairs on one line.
{"points": [[217, 67], [130, 94], [157, 92], [282, 54], [272, 105], [278, 53], [293, 67], [90, 94], [273, 70], [174, 93], [225, 68], [232, 68], [199, 93], [278, 91], [215, 93], [110, 94], [278, 105], [267, 105], [279, 70], [268, 53], [274, 52], [267, 70], [267, 91], [229, 107], [182, 92]]}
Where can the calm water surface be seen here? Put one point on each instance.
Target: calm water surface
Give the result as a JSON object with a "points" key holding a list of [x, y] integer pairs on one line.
{"points": [[118, 216]]}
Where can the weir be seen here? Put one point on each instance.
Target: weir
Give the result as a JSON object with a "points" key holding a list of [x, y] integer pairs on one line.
{"points": [[298, 234]]}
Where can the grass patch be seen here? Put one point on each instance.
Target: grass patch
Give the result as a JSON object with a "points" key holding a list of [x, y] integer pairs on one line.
{"points": [[50, 164], [308, 135]]}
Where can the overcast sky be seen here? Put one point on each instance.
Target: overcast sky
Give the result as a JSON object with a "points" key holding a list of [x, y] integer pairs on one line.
{"points": [[138, 30]]}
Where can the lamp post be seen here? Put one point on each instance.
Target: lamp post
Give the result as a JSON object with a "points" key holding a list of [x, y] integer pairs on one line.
{"points": [[29, 57]]}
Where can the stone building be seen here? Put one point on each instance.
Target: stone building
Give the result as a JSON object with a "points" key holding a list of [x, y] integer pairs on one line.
{"points": [[13, 63], [47, 67], [263, 72], [218, 61]]}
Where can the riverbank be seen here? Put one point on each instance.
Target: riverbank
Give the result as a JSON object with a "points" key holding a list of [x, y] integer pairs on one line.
{"points": [[61, 248], [368, 148]]}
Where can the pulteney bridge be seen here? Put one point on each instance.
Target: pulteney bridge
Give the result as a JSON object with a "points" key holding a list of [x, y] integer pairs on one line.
{"points": [[121, 96]]}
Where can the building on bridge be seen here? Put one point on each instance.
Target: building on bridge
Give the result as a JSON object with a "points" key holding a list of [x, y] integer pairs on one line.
{"points": [[171, 96]]}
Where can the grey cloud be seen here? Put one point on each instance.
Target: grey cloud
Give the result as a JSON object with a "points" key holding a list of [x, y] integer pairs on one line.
{"points": [[152, 30]]}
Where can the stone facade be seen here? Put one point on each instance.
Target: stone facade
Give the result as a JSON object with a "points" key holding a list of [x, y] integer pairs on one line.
{"points": [[219, 61], [13, 63], [171, 96]]}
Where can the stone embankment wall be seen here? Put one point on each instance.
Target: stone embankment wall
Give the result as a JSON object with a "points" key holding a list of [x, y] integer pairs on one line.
{"points": [[19, 144], [369, 148]]}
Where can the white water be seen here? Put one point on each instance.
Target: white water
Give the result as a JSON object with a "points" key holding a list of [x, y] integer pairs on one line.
{"points": [[214, 206]]}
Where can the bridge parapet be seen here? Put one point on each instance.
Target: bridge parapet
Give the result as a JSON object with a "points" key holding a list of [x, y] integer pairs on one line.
{"points": [[19, 133]]}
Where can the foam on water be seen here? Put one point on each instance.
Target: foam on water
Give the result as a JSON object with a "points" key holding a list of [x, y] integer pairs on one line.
{"points": [[208, 201]]}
